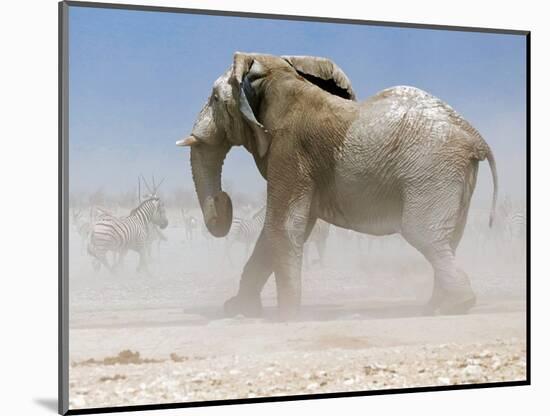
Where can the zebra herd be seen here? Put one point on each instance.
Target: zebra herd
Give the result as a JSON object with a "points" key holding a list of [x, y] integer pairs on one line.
{"points": [[516, 225], [133, 232], [245, 231], [138, 231], [107, 234], [511, 231]]}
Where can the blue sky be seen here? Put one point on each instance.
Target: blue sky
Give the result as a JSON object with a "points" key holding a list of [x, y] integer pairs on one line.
{"points": [[137, 80]]}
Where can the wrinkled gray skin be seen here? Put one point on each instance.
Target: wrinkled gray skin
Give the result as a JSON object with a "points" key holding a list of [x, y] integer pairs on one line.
{"points": [[400, 162]]}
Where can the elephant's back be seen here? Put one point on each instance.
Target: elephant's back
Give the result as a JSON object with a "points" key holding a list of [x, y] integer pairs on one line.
{"points": [[403, 139], [405, 103], [405, 121], [404, 135]]}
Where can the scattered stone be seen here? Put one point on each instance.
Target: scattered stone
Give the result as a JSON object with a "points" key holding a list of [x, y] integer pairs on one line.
{"points": [[124, 357], [222, 377], [472, 371], [77, 402], [485, 353], [444, 380], [113, 378], [177, 358]]}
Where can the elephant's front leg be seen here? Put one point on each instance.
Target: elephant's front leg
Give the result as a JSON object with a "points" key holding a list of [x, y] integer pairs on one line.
{"points": [[257, 270], [288, 222]]}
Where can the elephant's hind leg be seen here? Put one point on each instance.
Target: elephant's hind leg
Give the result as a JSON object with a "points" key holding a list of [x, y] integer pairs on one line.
{"points": [[434, 225], [452, 292]]}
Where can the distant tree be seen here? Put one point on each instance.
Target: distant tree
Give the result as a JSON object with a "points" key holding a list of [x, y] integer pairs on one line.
{"points": [[183, 198], [127, 199], [227, 185], [77, 200], [97, 197]]}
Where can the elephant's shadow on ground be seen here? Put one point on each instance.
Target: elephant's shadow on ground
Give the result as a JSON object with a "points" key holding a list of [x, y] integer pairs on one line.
{"points": [[325, 312], [372, 310]]}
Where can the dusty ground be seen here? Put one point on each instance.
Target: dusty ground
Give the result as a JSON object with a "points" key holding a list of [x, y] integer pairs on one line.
{"points": [[192, 359], [138, 339], [279, 374]]}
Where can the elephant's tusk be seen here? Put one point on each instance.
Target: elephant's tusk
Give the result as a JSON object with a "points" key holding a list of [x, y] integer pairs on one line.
{"points": [[188, 141]]}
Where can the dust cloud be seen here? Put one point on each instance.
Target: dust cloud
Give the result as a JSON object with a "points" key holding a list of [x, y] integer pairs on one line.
{"points": [[159, 338]]}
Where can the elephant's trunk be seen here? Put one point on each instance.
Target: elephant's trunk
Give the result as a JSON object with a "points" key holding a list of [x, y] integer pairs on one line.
{"points": [[217, 209]]}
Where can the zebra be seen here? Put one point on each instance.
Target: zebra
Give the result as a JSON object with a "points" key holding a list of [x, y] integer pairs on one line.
{"points": [[190, 224], [97, 213], [245, 231], [154, 235], [512, 219], [513, 235], [516, 225], [82, 228], [511, 231], [318, 237], [130, 233]]}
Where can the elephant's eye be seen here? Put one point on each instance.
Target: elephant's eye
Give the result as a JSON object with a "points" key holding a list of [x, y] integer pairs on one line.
{"points": [[216, 98]]}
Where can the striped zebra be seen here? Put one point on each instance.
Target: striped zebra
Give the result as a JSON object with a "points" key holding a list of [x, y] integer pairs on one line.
{"points": [[154, 235], [190, 223], [318, 237], [98, 212], [516, 225], [245, 231], [129, 233], [82, 228]]}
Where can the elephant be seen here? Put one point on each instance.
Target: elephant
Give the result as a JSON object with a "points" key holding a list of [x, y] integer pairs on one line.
{"points": [[402, 161]]}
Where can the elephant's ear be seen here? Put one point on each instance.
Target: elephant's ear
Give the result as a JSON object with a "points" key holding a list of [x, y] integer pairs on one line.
{"points": [[246, 70], [324, 73]]}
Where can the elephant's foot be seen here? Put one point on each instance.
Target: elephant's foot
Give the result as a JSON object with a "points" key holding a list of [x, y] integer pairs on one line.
{"points": [[288, 313], [249, 306], [288, 306], [444, 302]]}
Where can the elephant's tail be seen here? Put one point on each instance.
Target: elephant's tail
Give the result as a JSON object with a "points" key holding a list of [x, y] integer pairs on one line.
{"points": [[493, 166]]}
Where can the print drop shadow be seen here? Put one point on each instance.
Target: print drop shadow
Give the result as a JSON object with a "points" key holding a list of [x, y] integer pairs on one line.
{"points": [[49, 404]]}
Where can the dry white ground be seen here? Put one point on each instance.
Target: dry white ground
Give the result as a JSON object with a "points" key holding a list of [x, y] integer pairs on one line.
{"points": [[133, 357], [141, 340]]}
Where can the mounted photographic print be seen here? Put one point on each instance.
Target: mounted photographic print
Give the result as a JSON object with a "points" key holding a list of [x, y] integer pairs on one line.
{"points": [[265, 208]]}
